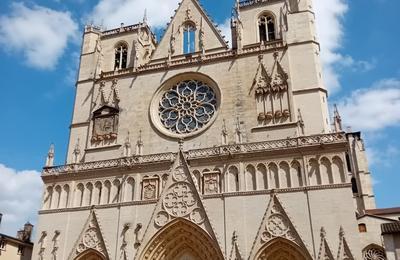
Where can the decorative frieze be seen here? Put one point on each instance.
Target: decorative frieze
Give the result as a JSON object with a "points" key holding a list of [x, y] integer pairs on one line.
{"points": [[227, 150]]}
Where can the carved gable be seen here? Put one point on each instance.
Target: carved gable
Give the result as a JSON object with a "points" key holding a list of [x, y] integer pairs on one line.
{"points": [[91, 238], [207, 36], [344, 252], [276, 224], [325, 252], [179, 200], [235, 252]]}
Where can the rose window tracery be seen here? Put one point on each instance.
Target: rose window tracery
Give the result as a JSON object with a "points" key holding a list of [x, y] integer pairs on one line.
{"points": [[374, 254], [187, 107]]}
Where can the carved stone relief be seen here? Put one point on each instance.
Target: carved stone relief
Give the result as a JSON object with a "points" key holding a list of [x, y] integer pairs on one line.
{"points": [[105, 117], [211, 182], [271, 92], [150, 188]]}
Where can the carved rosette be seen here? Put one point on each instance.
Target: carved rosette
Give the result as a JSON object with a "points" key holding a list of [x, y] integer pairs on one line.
{"points": [[180, 200], [91, 239], [278, 225]]}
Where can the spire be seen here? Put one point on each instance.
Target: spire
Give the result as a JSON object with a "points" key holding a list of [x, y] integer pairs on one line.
{"points": [[300, 122], [202, 42], [50, 156], [224, 134], [239, 132], [337, 120], [145, 16], [127, 146], [139, 144]]}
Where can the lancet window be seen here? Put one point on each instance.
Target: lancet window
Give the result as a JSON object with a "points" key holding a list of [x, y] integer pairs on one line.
{"points": [[189, 37], [121, 56], [266, 28]]}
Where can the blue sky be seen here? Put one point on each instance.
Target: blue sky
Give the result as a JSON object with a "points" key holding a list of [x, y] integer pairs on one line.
{"points": [[39, 48]]}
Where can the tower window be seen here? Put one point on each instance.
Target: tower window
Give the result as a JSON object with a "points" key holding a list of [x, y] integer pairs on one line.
{"points": [[362, 228], [121, 56], [189, 36], [354, 185], [266, 28]]}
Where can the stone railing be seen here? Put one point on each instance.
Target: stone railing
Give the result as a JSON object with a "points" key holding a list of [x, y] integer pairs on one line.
{"points": [[244, 3], [290, 143], [196, 59], [121, 29], [127, 162], [130, 162]]}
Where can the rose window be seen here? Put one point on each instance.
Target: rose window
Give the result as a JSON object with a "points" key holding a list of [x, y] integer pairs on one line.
{"points": [[187, 107], [374, 254]]}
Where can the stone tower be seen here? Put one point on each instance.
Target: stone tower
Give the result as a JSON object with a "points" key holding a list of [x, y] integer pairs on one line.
{"points": [[188, 149]]}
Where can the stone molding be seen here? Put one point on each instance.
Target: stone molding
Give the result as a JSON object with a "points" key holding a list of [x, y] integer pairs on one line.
{"points": [[228, 150], [204, 197], [126, 162]]}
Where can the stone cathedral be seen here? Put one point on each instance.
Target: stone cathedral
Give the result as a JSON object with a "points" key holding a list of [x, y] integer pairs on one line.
{"points": [[189, 149]]}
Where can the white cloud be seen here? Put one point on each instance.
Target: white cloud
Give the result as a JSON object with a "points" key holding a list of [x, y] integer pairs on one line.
{"points": [[111, 13], [329, 17], [373, 109], [20, 196], [39, 33]]}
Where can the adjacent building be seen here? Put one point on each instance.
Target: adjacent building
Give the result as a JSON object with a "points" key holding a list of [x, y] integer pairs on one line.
{"points": [[19, 247]]}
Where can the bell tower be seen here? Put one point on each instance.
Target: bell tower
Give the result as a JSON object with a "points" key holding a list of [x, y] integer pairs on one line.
{"points": [[256, 23]]}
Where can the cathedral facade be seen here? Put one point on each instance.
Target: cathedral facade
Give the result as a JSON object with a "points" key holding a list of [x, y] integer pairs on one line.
{"points": [[188, 149]]}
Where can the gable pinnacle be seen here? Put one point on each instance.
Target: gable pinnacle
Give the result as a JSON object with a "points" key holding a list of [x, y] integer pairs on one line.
{"points": [[145, 16], [181, 142], [77, 152], [337, 120], [50, 156]]}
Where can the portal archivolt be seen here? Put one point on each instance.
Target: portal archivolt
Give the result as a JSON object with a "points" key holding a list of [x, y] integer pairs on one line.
{"points": [[281, 249], [182, 240], [90, 255]]}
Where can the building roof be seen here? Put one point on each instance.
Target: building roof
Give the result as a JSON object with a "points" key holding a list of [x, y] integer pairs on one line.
{"points": [[386, 211], [390, 228], [15, 240]]}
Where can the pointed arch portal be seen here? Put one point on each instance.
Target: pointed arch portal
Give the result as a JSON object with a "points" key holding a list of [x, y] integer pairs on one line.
{"points": [[281, 249], [182, 240], [90, 254]]}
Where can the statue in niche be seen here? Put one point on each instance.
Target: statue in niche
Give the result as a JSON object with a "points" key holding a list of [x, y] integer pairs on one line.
{"points": [[105, 124]]}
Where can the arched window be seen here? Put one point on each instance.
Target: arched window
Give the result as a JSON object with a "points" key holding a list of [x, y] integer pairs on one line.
{"points": [[121, 56], [373, 252], [266, 28], [189, 37]]}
